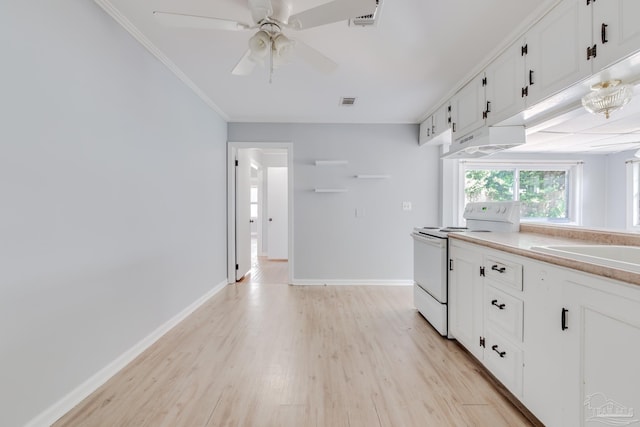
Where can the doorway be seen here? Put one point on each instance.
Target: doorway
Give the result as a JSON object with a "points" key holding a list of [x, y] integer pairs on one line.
{"points": [[260, 212]]}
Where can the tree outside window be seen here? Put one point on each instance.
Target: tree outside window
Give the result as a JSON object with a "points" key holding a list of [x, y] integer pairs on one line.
{"points": [[544, 194]]}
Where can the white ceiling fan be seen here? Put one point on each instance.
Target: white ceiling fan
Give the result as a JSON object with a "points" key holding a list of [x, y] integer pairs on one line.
{"points": [[270, 18]]}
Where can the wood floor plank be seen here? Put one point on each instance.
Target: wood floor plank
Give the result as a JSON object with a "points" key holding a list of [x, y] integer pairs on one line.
{"points": [[270, 354]]}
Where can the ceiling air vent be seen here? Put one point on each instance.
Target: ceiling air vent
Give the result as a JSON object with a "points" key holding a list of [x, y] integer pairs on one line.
{"points": [[367, 20], [345, 101]]}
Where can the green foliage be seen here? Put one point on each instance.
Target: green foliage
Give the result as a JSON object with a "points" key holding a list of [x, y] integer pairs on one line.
{"points": [[543, 194]]}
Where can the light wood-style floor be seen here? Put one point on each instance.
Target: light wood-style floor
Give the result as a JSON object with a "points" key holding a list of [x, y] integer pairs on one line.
{"points": [[271, 354]]}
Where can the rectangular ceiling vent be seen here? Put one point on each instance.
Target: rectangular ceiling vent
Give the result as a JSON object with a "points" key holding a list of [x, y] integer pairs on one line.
{"points": [[345, 101], [367, 20]]}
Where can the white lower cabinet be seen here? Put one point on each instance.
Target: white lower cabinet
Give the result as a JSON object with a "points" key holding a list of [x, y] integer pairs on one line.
{"points": [[465, 295], [601, 352], [567, 345]]}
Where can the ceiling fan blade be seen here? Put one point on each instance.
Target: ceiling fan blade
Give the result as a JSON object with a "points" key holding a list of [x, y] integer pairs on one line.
{"points": [[335, 11], [192, 21], [260, 9], [245, 66], [316, 59]]}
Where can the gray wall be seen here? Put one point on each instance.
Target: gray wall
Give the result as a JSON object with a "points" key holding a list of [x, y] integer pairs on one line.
{"points": [[330, 242], [113, 199]]}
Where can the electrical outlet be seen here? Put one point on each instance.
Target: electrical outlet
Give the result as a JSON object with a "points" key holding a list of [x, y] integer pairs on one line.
{"points": [[406, 206]]}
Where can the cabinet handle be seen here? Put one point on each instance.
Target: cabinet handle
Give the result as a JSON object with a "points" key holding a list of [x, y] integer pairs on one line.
{"points": [[453, 127], [500, 306], [530, 77], [603, 34], [563, 319], [501, 353], [433, 129], [499, 270]]}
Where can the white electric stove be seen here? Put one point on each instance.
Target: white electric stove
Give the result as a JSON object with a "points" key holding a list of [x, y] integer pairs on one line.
{"points": [[430, 255]]}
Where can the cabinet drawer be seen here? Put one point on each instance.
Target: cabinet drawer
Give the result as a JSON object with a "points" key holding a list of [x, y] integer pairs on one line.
{"points": [[504, 312], [504, 360], [503, 271]]}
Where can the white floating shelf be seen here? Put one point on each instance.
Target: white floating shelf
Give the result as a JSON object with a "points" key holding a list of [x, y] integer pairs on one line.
{"points": [[330, 190], [331, 162], [373, 176]]}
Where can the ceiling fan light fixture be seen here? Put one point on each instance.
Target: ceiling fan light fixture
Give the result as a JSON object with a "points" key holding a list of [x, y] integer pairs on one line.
{"points": [[259, 45], [607, 97]]}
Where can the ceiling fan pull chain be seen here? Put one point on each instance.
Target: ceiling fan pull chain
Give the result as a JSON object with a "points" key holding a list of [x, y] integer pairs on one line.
{"points": [[270, 60]]}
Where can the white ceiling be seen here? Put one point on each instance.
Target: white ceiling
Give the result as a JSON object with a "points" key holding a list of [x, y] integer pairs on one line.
{"points": [[419, 52], [579, 131]]}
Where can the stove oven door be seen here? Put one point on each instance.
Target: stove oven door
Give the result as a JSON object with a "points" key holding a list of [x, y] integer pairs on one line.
{"points": [[430, 265], [430, 277]]}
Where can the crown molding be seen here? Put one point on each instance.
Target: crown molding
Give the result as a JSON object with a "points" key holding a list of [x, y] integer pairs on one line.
{"points": [[108, 7]]}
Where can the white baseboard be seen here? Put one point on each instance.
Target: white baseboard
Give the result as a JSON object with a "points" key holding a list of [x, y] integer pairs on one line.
{"points": [[323, 282], [64, 405]]}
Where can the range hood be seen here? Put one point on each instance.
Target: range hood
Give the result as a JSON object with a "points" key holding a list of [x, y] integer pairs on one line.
{"points": [[484, 141]]}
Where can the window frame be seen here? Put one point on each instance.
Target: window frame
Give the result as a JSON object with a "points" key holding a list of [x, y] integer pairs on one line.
{"points": [[573, 168]]}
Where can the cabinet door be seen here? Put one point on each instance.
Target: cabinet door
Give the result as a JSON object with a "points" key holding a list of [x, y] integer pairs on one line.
{"points": [[543, 341], [505, 80], [616, 31], [601, 352], [425, 130], [465, 296], [466, 108], [440, 120], [556, 50]]}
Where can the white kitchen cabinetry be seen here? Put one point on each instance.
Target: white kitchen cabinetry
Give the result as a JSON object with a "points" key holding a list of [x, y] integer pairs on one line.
{"points": [[505, 80], [465, 295], [556, 51], [543, 343], [566, 343], [616, 32], [601, 350], [467, 107], [434, 128], [485, 311], [425, 130]]}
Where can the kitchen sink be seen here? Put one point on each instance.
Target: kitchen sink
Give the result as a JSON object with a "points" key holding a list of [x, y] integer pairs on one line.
{"points": [[620, 257]]}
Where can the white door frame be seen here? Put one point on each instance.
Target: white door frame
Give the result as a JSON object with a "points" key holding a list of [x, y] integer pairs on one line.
{"points": [[232, 149]]}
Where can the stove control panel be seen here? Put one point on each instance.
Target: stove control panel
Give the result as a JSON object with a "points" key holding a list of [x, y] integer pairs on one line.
{"points": [[501, 212]]}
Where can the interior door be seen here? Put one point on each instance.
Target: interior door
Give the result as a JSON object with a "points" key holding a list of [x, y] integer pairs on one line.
{"points": [[277, 213], [243, 213]]}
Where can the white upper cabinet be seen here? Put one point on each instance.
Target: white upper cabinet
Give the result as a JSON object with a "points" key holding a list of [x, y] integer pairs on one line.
{"points": [[425, 130], [467, 107], [433, 128], [441, 120], [556, 50], [616, 30], [505, 80]]}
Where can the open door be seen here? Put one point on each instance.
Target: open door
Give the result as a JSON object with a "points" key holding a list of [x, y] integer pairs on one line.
{"points": [[243, 213], [277, 211]]}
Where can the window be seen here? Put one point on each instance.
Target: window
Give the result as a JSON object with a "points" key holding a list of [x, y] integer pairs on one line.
{"points": [[633, 194], [254, 201], [546, 191]]}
